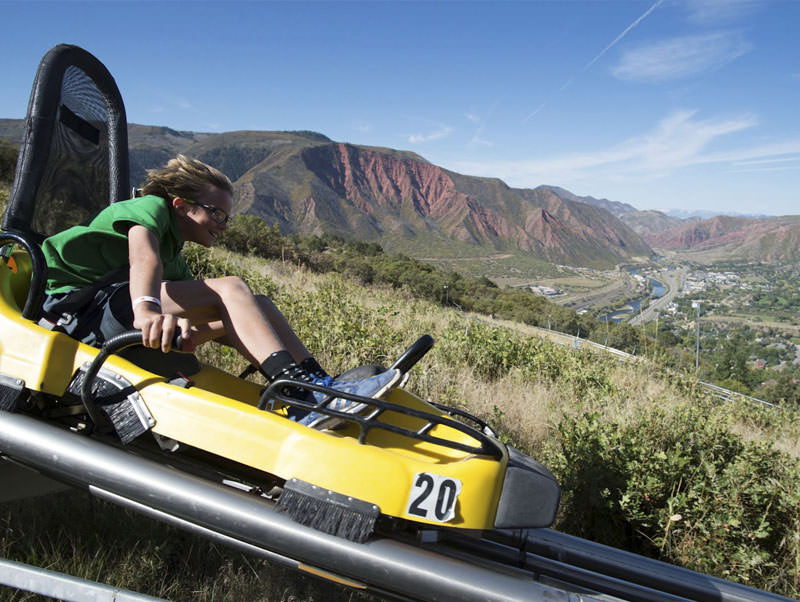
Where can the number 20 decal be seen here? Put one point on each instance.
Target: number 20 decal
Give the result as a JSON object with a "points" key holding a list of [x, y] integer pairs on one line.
{"points": [[433, 497]]}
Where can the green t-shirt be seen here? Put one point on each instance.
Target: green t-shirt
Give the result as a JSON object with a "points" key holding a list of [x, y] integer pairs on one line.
{"points": [[81, 255]]}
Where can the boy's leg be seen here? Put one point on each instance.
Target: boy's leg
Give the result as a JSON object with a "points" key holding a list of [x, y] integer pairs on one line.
{"points": [[224, 309], [285, 333], [223, 306]]}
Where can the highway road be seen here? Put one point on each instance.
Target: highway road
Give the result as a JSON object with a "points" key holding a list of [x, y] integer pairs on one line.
{"points": [[673, 280]]}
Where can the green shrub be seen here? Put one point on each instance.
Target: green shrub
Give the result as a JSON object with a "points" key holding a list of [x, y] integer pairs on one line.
{"points": [[494, 352], [205, 263], [343, 332], [8, 161], [679, 486]]}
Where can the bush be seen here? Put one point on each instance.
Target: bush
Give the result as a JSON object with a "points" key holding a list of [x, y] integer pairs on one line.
{"points": [[249, 235], [679, 486], [339, 330], [8, 161], [494, 352]]}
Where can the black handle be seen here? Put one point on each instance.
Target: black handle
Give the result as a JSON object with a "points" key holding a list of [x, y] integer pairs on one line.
{"points": [[133, 337], [113, 345], [413, 354], [33, 302]]}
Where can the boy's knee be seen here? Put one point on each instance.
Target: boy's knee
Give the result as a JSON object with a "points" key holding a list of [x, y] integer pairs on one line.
{"points": [[231, 286]]}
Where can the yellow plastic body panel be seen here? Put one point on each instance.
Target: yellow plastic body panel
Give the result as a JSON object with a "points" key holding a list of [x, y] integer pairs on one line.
{"points": [[25, 348], [219, 415]]}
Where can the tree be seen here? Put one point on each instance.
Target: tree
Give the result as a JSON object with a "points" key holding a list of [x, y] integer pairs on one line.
{"points": [[8, 161], [783, 390]]}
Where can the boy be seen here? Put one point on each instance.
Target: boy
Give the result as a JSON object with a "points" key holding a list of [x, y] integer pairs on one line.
{"points": [[123, 269]]}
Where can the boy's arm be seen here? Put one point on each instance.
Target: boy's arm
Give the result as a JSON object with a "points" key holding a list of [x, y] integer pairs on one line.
{"points": [[158, 328]]}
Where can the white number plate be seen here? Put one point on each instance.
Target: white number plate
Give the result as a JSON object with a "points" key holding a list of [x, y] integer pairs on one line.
{"points": [[433, 497]]}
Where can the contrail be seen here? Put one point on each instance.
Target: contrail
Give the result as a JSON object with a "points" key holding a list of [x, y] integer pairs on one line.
{"points": [[625, 32]]}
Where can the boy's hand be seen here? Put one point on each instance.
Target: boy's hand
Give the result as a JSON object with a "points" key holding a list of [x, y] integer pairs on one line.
{"points": [[158, 330]]}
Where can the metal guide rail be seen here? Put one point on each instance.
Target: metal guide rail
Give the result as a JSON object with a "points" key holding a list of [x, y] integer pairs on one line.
{"points": [[432, 564], [63, 587]]}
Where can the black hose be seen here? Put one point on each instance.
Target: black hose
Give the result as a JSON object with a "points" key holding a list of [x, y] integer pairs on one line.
{"points": [[113, 345]]}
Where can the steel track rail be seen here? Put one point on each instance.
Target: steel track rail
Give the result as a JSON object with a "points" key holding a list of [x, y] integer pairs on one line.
{"points": [[382, 565], [602, 567], [503, 565]]}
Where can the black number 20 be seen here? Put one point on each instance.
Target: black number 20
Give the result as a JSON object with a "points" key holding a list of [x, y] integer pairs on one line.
{"points": [[445, 497]]}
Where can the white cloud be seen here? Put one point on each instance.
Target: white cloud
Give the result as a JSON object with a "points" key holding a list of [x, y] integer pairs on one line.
{"points": [[772, 160], [678, 141], [765, 154], [767, 169], [364, 128], [704, 12], [681, 57], [171, 102], [478, 139], [441, 132]]}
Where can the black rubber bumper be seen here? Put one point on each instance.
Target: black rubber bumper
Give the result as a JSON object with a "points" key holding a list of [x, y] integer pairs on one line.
{"points": [[530, 494]]}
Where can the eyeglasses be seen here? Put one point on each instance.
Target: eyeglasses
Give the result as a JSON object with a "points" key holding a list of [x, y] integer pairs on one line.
{"points": [[217, 214]]}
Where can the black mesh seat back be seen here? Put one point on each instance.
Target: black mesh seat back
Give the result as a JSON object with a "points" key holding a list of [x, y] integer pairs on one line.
{"points": [[73, 162], [73, 158]]}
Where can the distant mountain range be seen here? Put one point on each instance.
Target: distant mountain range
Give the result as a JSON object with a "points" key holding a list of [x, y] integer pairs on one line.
{"points": [[705, 214], [717, 238], [772, 239], [306, 183]]}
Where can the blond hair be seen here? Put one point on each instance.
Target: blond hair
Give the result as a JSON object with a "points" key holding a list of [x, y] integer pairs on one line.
{"points": [[186, 178]]}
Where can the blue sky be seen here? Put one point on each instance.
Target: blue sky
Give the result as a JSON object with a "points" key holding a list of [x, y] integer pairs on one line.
{"points": [[690, 104]]}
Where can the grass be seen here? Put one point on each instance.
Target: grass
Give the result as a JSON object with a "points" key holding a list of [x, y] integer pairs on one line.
{"points": [[753, 320], [75, 533]]}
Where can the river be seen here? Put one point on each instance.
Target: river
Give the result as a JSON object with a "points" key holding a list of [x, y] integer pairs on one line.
{"points": [[658, 290]]}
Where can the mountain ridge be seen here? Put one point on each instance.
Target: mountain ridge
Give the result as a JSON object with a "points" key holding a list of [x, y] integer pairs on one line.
{"points": [[772, 240], [307, 183]]}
